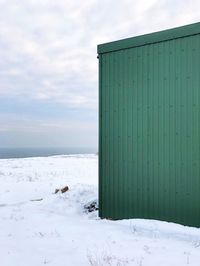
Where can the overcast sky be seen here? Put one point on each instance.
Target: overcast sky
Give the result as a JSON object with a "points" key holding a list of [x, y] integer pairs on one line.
{"points": [[48, 65]]}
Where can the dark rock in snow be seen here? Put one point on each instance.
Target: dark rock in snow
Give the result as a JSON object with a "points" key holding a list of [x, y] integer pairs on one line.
{"points": [[62, 190], [91, 206]]}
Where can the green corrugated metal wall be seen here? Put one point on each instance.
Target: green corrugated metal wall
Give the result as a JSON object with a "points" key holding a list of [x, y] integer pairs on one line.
{"points": [[149, 138]]}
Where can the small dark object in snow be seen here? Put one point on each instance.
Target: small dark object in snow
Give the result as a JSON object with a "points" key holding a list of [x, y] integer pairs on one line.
{"points": [[62, 190], [36, 199], [91, 206], [57, 190]]}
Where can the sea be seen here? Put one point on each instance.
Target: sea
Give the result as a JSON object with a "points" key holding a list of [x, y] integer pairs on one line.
{"points": [[7, 153]]}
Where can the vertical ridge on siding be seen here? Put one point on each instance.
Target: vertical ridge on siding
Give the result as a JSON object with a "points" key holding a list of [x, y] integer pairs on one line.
{"points": [[100, 175]]}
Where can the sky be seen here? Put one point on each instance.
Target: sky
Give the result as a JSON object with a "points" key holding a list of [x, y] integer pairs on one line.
{"points": [[49, 66]]}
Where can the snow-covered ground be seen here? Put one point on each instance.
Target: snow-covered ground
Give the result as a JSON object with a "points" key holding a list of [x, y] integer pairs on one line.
{"points": [[57, 231]]}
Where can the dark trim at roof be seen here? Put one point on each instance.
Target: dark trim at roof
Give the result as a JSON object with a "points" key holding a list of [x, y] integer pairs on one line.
{"points": [[155, 37]]}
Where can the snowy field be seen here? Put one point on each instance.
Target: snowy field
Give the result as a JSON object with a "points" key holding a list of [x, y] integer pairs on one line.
{"points": [[38, 227]]}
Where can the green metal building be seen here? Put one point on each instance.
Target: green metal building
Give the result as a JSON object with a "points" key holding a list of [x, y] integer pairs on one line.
{"points": [[149, 135]]}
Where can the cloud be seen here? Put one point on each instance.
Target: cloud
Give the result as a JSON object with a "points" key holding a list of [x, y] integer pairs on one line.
{"points": [[25, 124], [48, 56], [28, 131], [48, 48]]}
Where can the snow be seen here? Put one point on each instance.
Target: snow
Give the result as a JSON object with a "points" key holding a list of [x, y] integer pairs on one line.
{"points": [[38, 227]]}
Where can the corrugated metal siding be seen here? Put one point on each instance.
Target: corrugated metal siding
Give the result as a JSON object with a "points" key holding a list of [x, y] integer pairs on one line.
{"points": [[149, 132]]}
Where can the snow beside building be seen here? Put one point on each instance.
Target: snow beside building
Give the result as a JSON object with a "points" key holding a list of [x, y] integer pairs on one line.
{"points": [[38, 227]]}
